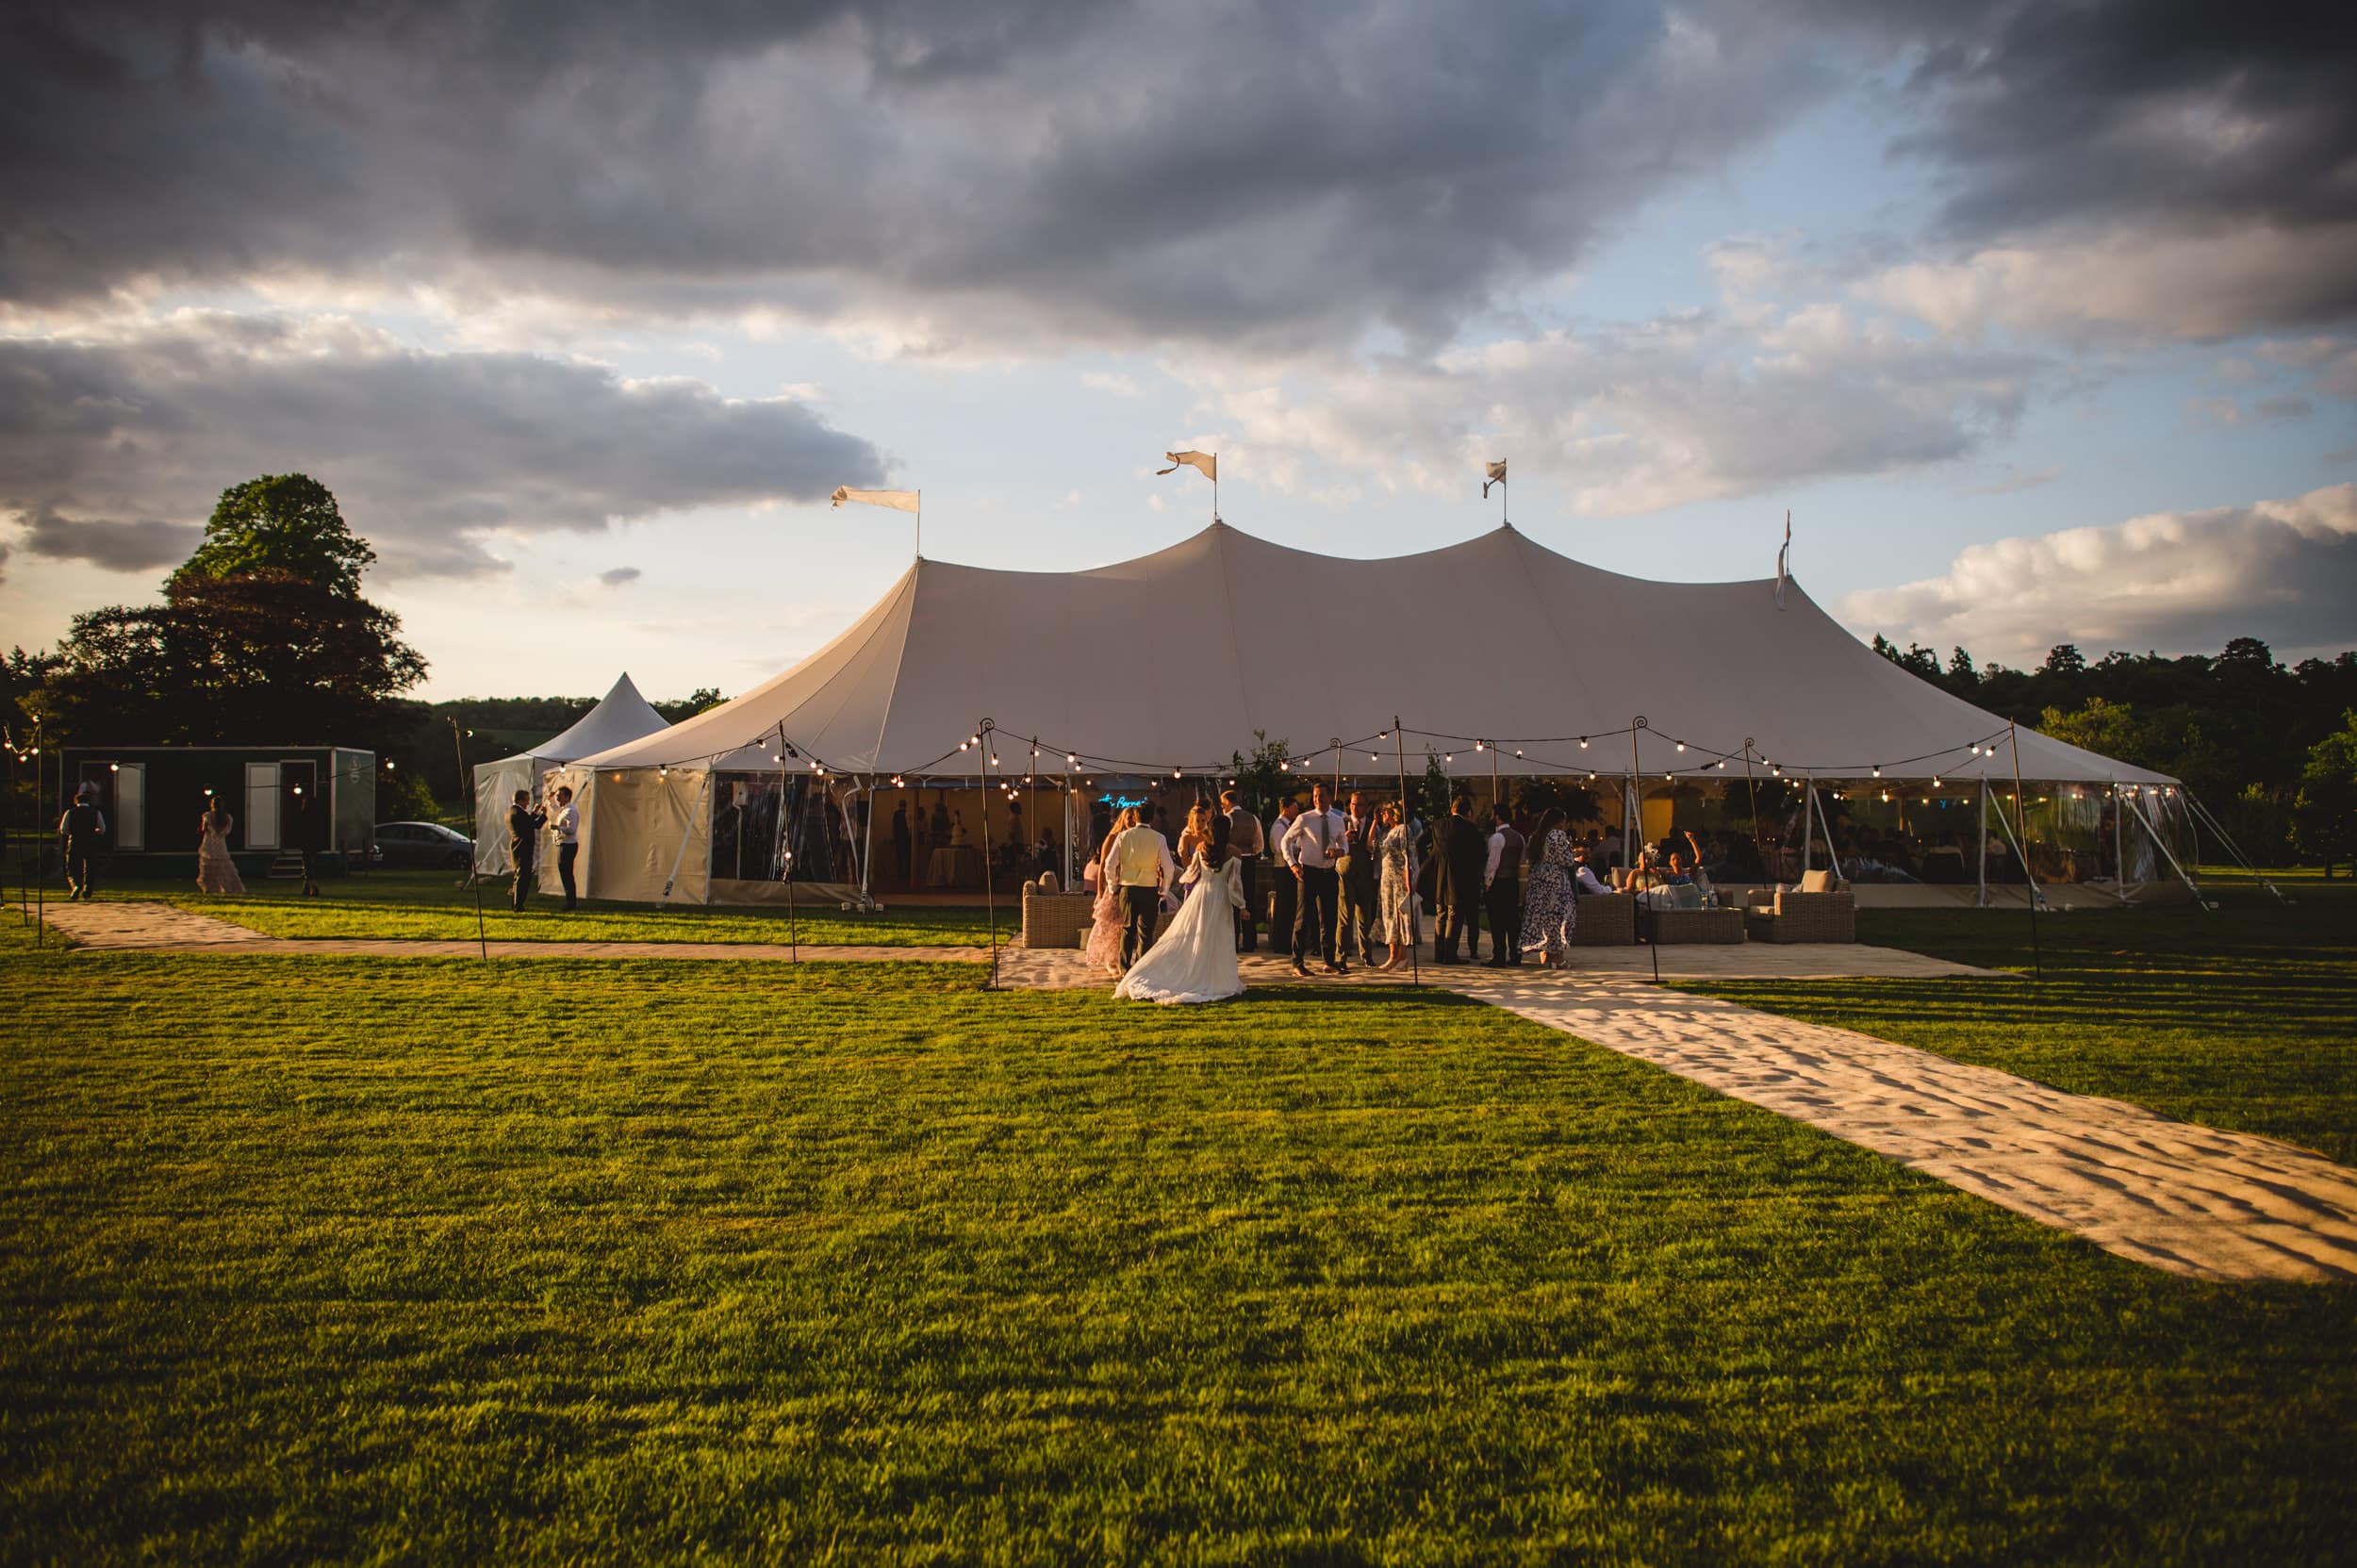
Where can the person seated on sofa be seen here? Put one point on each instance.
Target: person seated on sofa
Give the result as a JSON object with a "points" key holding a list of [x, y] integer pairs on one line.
{"points": [[1584, 883]]}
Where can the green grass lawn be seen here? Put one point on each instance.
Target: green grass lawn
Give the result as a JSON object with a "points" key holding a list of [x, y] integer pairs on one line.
{"points": [[440, 906], [2244, 1016], [341, 1259]]}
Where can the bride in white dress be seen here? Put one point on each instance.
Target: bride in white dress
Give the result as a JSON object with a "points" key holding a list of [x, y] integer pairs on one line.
{"points": [[1194, 958]]}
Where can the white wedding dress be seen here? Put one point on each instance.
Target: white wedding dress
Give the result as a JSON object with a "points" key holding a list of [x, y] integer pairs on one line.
{"points": [[1194, 958]]}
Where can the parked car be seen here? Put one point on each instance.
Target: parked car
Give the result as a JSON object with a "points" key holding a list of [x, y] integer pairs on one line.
{"points": [[422, 844]]}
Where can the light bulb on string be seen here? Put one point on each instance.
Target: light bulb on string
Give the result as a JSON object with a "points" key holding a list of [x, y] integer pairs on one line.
{"points": [[1583, 743], [1681, 746]]}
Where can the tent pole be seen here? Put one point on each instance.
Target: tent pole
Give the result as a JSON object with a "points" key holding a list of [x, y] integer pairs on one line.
{"points": [[474, 852], [1399, 755], [2119, 853], [1984, 857], [2029, 873], [1809, 833], [990, 889]]}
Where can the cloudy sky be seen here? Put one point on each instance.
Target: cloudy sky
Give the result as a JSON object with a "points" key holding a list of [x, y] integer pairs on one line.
{"points": [[2041, 319]]}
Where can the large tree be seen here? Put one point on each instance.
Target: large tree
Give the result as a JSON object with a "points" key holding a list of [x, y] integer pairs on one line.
{"points": [[262, 636], [2324, 816], [282, 522]]}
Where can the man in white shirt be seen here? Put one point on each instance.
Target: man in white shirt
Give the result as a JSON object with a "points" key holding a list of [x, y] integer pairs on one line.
{"points": [[1140, 865], [1246, 842], [565, 822], [1310, 849]]}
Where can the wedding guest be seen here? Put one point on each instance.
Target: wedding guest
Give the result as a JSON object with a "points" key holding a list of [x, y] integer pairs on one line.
{"points": [[1461, 849], [1245, 841], [80, 829], [1550, 912], [1104, 943], [566, 823], [1193, 839], [216, 872], [1141, 865], [1358, 876], [1310, 847], [903, 842], [524, 843], [1502, 882], [1396, 848], [1284, 892]]}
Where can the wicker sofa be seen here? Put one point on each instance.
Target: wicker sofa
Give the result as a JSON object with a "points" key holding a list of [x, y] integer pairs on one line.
{"points": [[1055, 920], [1605, 920], [1776, 914], [1674, 926]]}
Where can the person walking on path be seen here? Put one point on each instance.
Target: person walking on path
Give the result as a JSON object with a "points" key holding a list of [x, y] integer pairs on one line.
{"points": [[80, 831], [1311, 846], [1461, 851], [1550, 913], [524, 843], [566, 823], [216, 871], [1503, 883]]}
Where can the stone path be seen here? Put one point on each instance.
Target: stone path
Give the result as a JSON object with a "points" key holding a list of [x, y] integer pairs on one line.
{"points": [[2189, 1199]]}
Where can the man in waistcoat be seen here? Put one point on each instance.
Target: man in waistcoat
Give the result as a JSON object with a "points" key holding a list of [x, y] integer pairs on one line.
{"points": [[78, 833], [1244, 841], [1359, 872], [1459, 851], [1504, 896]]}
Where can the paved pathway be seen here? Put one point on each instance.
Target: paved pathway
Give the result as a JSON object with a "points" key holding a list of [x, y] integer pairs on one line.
{"points": [[2185, 1198]]}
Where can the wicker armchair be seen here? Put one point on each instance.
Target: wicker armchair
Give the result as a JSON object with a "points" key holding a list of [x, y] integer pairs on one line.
{"points": [[1779, 917], [1608, 920], [1055, 920]]}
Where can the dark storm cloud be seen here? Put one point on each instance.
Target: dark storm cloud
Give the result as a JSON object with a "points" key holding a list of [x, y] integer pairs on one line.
{"points": [[2197, 110], [116, 545], [427, 451], [1299, 169]]}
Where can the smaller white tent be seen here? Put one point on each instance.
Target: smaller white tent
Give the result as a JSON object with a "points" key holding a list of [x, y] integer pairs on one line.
{"points": [[621, 717]]}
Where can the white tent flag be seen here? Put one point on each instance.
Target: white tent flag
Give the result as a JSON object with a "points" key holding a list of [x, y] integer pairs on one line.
{"points": [[1783, 557], [899, 501], [1497, 476], [1204, 463]]}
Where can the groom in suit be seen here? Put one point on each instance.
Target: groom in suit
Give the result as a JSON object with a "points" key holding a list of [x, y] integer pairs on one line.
{"points": [[1140, 865]]}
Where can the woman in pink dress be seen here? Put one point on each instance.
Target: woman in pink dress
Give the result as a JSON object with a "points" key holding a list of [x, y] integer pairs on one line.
{"points": [[1104, 942], [215, 871]]}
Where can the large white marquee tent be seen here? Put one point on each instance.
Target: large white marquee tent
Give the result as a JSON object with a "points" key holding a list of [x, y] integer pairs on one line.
{"points": [[621, 715], [1496, 651]]}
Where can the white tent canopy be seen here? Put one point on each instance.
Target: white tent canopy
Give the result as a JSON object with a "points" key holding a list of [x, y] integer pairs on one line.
{"points": [[1175, 661], [621, 717]]}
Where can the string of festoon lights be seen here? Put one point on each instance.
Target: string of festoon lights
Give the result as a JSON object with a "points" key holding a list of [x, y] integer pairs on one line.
{"points": [[983, 745]]}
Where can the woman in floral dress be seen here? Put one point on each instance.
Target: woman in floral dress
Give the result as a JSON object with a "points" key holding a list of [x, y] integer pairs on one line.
{"points": [[1550, 912], [1397, 899]]}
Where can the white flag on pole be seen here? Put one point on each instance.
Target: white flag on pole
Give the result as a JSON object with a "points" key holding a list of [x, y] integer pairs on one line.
{"points": [[899, 501], [1206, 463], [1783, 557], [1497, 476]]}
